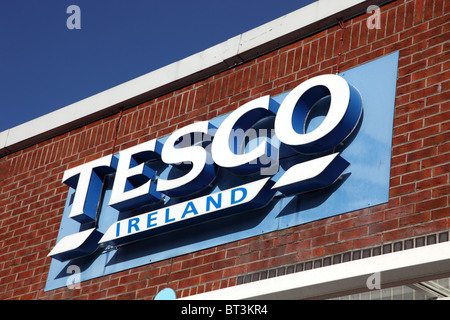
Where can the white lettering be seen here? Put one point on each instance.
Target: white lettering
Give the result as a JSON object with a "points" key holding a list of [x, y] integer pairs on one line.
{"points": [[185, 166], [146, 222], [135, 182], [134, 179], [242, 118], [87, 180], [197, 155], [293, 113]]}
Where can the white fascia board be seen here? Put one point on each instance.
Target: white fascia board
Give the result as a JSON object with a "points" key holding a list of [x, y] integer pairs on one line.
{"points": [[3, 139], [189, 70], [293, 21], [403, 267]]}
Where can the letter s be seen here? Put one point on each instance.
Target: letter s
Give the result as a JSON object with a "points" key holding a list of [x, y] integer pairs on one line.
{"points": [[202, 171]]}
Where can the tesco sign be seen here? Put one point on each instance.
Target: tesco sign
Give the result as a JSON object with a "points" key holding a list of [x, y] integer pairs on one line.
{"points": [[173, 178]]}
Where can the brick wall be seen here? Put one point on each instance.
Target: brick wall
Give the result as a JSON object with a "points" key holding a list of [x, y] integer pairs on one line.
{"points": [[32, 196]]}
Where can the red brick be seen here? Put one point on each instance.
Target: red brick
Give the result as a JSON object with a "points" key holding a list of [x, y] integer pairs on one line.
{"points": [[367, 241], [432, 183], [435, 160], [420, 154], [414, 219], [353, 233], [440, 213], [415, 197], [383, 226], [406, 147], [311, 253], [222, 264], [258, 265], [397, 234], [431, 204], [430, 227], [402, 189], [298, 246], [324, 239], [368, 218], [438, 98], [293, 237], [441, 191], [211, 276]]}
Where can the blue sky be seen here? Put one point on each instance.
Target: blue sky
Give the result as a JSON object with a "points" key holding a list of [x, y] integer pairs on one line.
{"points": [[45, 66]]}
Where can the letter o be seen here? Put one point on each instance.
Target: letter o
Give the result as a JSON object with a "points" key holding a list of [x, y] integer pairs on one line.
{"points": [[343, 114]]}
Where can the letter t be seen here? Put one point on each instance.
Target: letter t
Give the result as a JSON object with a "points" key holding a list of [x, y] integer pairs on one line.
{"points": [[87, 179]]}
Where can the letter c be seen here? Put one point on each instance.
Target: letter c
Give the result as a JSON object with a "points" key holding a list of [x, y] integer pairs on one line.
{"points": [[242, 118]]}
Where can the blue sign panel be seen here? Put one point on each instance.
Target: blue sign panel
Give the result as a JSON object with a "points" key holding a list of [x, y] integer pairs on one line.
{"points": [[320, 150]]}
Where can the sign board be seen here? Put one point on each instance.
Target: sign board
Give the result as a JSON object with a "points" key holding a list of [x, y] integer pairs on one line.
{"points": [[322, 149]]}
